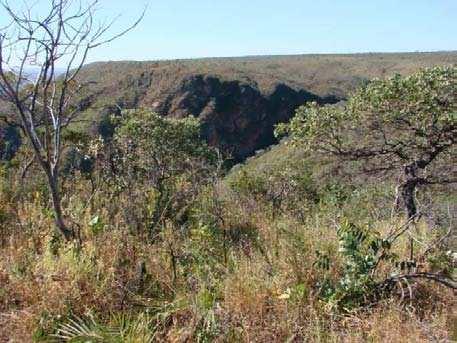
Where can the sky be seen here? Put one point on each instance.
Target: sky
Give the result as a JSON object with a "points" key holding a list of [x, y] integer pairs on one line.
{"points": [[176, 29]]}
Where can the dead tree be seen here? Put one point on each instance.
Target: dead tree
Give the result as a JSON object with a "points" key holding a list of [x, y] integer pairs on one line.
{"points": [[45, 104]]}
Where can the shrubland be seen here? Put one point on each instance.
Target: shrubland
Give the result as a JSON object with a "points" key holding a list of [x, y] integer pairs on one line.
{"points": [[322, 74], [299, 243], [343, 232]]}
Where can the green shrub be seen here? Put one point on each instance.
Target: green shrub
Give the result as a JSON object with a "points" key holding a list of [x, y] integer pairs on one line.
{"points": [[361, 250]]}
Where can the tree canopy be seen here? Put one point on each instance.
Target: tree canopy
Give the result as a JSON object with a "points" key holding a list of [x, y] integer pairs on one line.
{"points": [[403, 125], [158, 161]]}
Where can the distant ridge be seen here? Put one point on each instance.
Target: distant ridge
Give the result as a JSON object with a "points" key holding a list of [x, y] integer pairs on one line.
{"points": [[323, 54], [241, 99], [323, 74], [238, 99]]}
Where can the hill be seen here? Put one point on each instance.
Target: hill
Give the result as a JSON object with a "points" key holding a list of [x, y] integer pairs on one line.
{"points": [[240, 99], [292, 245], [333, 75]]}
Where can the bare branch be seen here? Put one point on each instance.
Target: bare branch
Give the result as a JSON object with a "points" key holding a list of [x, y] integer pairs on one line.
{"points": [[65, 31], [441, 279]]}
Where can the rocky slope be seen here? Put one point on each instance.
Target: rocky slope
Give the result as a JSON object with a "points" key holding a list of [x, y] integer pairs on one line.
{"points": [[10, 141], [239, 100], [236, 116]]}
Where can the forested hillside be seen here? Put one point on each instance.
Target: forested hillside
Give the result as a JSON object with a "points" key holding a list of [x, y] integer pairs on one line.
{"points": [[239, 100]]}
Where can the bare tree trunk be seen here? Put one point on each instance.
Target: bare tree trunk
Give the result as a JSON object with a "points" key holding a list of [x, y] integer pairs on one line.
{"points": [[408, 190], [159, 208], [56, 203], [48, 102], [407, 193]]}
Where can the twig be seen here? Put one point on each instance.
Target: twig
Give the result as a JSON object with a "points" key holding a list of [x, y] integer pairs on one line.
{"points": [[441, 279]]}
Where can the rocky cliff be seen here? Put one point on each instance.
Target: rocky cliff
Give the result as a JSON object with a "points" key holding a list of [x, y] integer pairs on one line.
{"points": [[236, 115], [239, 100], [10, 141]]}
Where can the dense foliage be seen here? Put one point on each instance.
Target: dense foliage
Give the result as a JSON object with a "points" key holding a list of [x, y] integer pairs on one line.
{"points": [[158, 162], [404, 127]]}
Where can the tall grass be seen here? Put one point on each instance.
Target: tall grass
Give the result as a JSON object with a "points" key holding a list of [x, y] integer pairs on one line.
{"points": [[234, 271]]}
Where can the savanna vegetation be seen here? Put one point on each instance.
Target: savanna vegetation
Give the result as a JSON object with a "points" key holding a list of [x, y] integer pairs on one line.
{"points": [[322, 74], [345, 231], [300, 243]]}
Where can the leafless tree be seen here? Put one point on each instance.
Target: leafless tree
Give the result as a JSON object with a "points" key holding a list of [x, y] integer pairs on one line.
{"points": [[45, 104]]}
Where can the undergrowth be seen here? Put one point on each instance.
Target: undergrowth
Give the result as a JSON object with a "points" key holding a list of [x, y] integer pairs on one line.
{"points": [[273, 257]]}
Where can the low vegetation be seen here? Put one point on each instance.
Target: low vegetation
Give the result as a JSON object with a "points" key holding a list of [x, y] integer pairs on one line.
{"points": [[294, 245], [343, 232]]}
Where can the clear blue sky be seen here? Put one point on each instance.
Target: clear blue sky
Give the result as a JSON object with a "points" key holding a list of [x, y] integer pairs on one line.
{"points": [[207, 28]]}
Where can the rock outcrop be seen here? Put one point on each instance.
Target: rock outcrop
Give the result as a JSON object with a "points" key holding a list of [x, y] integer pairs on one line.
{"points": [[10, 141], [239, 100], [236, 116]]}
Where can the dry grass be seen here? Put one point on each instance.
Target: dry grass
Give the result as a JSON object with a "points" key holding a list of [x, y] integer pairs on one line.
{"points": [[262, 295]]}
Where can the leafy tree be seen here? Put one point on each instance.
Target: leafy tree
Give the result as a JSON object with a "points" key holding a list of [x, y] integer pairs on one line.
{"points": [[403, 126], [149, 152]]}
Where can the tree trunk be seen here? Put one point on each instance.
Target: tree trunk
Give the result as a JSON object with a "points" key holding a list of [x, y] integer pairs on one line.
{"points": [[56, 203], [159, 208], [408, 200], [407, 193], [408, 189]]}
